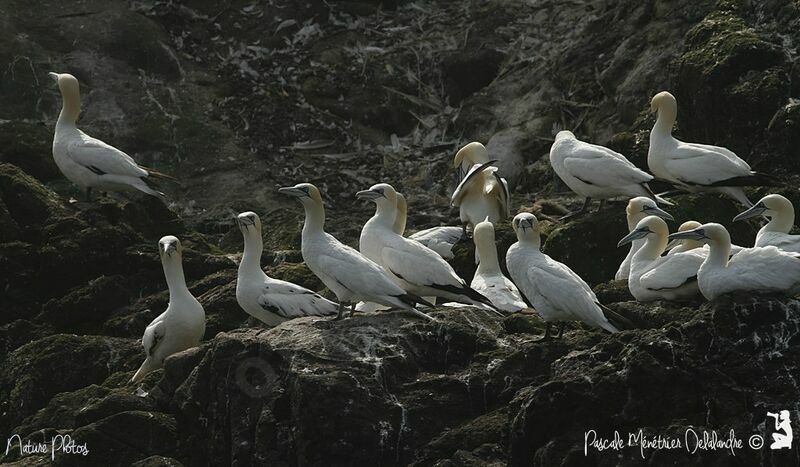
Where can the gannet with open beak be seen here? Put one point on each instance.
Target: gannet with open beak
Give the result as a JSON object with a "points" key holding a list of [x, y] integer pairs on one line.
{"points": [[183, 324], [89, 162], [781, 220], [553, 289], [489, 279], [638, 208], [269, 300], [656, 277], [482, 192], [697, 167], [596, 172], [413, 266], [346, 272], [763, 269], [440, 239]]}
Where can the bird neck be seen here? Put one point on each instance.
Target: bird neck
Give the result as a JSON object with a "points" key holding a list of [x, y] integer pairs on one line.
{"points": [[653, 246], [400, 219], [176, 282], [782, 221], [253, 247], [487, 252], [315, 218], [385, 215], [532, 240], [667, 114], [719, 253], [70, 108]]}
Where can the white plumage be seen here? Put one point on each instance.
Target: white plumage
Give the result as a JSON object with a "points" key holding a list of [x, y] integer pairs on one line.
{"points": [[482, 192], [656, 277], [489, 279], [440, 239], [682, 246], [696, 167], [269, 300], [89, 162], [594, 171], [638, 208], [414, 267], [763, 269], [182, 325], [346, 272], [775, 233], [553, 289]]}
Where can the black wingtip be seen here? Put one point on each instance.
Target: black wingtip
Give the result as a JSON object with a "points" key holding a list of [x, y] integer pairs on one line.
{"points": [[413, 300], [755, 179], [620, 322]]}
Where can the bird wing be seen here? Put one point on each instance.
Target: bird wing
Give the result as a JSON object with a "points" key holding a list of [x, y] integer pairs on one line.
{"points": [[292, 301], [698, 164], [500, 290], [499, 186], [418, 264], [473, 176], [673, 271], [445, 234], [553, 285], [765, 267], [153, 335], [356, 273], [599, 166], [785, 242], [102, 158]]}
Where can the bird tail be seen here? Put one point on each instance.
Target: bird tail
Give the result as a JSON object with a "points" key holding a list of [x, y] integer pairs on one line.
{"points": [[654, 196], [156, 174], [410, 300], [754, 179], [145, 187], [617, 321], [147, 366], [480, 299]]}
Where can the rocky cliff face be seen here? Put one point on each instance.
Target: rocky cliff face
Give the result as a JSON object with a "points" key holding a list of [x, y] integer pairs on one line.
{"points": [[238, 99]]}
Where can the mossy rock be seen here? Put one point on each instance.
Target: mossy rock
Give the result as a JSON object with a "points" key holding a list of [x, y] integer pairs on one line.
{"points": [[28, 146], [26, 200], [297, 273], [613, 292]]}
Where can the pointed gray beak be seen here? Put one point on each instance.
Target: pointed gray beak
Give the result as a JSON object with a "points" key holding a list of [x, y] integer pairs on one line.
{"points": [[292, 191], [170, 248], [696, 234], [54, 76], [656, 211], [369, 194], [755, 210], [634, 235], [672, 244]]}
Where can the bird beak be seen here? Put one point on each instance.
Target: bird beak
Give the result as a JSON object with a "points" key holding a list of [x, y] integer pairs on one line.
{"points": [[656, 211], [635, 235], [696, 234], [54, 76], [169, 248], [672, 245], [754, 211], [292, 191], [369, 194]]}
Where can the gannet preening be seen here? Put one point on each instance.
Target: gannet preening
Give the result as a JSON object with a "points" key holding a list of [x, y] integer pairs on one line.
{"points": [[553, 289], [440, 239], [781, 220], [470, 154], [638, 208], [596, 172], [183, 324], [89, 162], [697, 167], [413, 266], [656, 277], [346, 272], [489, 279], [482, 192], [763, 269], [269, 300]]}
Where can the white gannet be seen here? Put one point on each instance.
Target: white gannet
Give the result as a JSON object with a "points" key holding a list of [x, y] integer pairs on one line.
{"points": [[470, 154], [656, 277], [781, 220], [489, 279], [269, 300], [764, 269], [596, 172], [89, 162], [413, 266], [482, 192], [696, 167], [553, 289], [346, 272], [638, 208], [183, 324], [681, 246], [440, 239]]}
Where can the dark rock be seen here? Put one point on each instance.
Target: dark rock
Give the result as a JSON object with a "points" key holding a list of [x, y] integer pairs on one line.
{"points": [[468, 71], [29, 147]]}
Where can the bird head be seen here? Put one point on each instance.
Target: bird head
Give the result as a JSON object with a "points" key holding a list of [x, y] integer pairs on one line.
{"points": [[767, 206], [661, 100], [169, 247], [706, 233], [248, 220], [685, 227], [382, 193], [648, 225], [474, 153], [642, 206], [526, 226], [305, 192]]}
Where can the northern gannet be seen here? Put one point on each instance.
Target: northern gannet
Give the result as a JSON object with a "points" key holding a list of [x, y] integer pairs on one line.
{"points": [[656, 277], [597, 172], [489, 279], [765, 269], [638, 208], [89, 162], [696, 167], [269, 300], [346, 272], [440, 239], [553, 289], [183, 324], [470, 154], [413, 266], [482, 192], [681, 246], [781, 220]]}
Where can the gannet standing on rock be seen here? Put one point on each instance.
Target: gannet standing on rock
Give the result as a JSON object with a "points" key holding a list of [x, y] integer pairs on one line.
{"points": [[781, 220], [762, 269], [269, 300], [89, 162], [638, 208], [696, 167], [489, 279], [346, 272], [656, 277], [440, 239], [553, 289], [482, 192], [597, 172], [414, 267], [182, 325]]}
